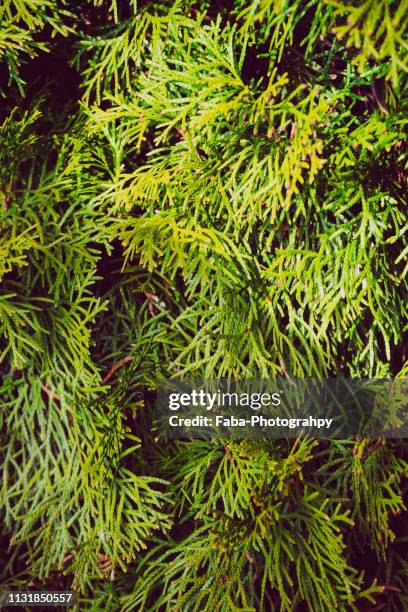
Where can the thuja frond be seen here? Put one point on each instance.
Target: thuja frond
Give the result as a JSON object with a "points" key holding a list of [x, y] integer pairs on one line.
{"points": [[20, 23], [85, 484], [377, 30], [199, 190], [117, 55], [233, 556]]}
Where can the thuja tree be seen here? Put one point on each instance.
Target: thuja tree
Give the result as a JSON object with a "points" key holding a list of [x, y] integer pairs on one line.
{"points": [[199, 189]]}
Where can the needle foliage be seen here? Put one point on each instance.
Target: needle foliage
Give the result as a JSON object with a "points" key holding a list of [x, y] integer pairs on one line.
{"points": [[199, 189]]}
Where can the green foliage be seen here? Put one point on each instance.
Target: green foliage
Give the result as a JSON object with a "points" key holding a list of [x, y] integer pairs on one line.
{"points": [[377, 29], [223, 196], [20, 22]]}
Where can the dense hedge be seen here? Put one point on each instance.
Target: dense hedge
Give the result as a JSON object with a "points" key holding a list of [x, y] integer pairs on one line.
{"points": [[199, 189]]}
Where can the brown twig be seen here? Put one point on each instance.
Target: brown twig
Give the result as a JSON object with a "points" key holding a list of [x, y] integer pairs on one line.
{"points": [[391, 587], [116, 367], [51, 394], [6, 202], [378, 101], [151, 299]]}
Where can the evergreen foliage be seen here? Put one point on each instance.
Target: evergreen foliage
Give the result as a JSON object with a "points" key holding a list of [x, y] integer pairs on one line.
{"points": [[199, 189]]}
